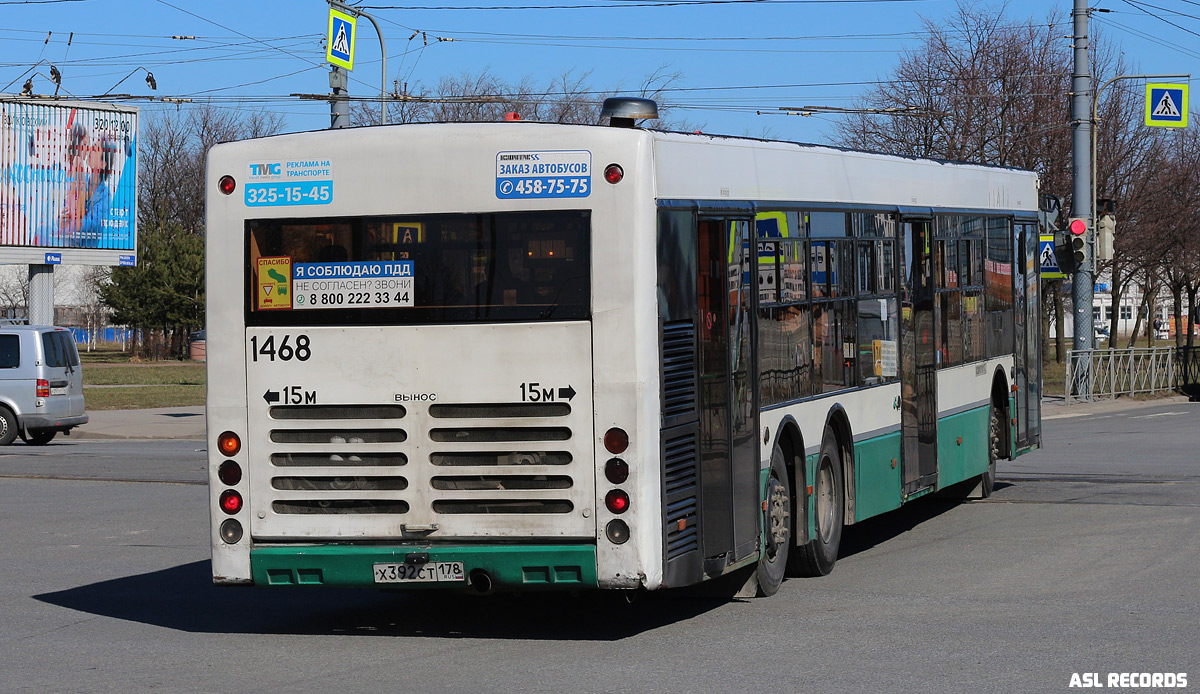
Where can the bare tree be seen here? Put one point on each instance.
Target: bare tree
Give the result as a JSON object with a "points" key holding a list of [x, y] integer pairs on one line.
{"points": [[485, 97], [171, 155]]}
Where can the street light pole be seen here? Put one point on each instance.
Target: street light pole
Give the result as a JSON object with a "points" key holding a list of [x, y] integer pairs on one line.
{"points": [[383, 100], [1081, 198]]}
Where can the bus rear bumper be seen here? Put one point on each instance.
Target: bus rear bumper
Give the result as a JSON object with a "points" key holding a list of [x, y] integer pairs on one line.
{"points": [[509, 567]]}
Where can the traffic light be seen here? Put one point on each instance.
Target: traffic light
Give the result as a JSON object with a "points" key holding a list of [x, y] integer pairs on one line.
{"points": [[1106, 228], [1077, 232]]}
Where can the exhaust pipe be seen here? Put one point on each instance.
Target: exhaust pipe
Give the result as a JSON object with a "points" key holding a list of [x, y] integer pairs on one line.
{"points": [[481, 581]]}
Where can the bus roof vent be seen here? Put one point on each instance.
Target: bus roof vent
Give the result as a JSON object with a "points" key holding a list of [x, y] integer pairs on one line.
{"points": [[622, 111]]}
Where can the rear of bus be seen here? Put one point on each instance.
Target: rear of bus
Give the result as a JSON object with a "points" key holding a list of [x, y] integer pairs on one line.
{"points": [[424, 344]]}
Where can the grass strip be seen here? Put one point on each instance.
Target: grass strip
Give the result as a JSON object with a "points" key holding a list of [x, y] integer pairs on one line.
{"points": [[144, 397]]}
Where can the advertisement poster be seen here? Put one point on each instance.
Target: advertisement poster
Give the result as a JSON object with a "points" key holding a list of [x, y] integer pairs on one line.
{"points": [[68, 176]]}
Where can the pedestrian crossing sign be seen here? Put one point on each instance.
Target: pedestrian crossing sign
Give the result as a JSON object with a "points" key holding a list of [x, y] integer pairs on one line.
{"points": [[1167, 105], [1047, 258], [340, 41]]}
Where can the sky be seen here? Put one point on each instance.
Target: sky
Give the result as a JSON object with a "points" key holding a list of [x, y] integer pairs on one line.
{"points": [[738, 61]]}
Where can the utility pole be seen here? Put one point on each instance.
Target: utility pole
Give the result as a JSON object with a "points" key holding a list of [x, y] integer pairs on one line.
{"points": [[383, 100], [339, 105], [1081, 198]]}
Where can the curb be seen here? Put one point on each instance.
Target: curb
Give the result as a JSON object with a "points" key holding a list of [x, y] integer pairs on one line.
{"points": [[96, 435]]}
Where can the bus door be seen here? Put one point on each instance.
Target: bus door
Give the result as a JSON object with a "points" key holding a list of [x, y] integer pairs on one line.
{"points": [[729, 462], [1028, 355], [918, 357]]}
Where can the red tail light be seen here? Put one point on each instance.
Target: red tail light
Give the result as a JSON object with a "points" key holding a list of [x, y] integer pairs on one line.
{"points": [[231, 501], [617, 501], [43, 388], [616, 441], [227, 185]]}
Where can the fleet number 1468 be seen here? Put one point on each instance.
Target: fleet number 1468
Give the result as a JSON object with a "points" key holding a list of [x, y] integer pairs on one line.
{"points": [[287, 350]]}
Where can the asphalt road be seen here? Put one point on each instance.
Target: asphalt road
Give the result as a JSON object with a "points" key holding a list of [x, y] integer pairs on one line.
{"points": [[1085, 560]]}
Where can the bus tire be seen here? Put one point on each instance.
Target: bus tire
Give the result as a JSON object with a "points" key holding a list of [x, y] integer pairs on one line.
{"points": [[8, 426], [987, 481], [777, 528], [817, 556]]}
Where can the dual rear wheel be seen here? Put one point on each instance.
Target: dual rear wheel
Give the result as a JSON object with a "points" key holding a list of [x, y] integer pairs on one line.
{"points": [[780, 556]]}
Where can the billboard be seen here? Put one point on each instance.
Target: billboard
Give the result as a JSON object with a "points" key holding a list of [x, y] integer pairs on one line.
{"points": [[68, 181]]}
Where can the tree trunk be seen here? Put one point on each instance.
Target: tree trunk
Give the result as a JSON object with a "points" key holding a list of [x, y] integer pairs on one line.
{"points": [[1118, 288], [1191, 314], [1177, 308], [1137, 318]]}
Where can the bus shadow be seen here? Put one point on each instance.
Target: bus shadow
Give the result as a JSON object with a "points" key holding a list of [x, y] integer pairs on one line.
{"points": [[183, 598], [863, 536]]}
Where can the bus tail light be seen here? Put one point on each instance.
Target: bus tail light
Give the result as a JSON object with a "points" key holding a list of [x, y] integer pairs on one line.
{"points": [[613, 173], [231, 531], [227, 185], [617, 531], [43, 388], [231, 501], [616, 440], [229, 444], [230, 473], [617, 501], [616, 471]]}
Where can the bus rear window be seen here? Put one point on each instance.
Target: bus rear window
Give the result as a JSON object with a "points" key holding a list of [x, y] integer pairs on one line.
{"points": [[523, 266]]}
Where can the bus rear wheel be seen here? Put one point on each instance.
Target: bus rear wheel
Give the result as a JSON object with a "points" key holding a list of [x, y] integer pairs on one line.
{"points": [[817, 556], [777, 528], [987, 482]]}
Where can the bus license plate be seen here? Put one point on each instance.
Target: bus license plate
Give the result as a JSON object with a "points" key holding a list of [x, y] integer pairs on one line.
{"points": [[433, 572], [58, 391]]}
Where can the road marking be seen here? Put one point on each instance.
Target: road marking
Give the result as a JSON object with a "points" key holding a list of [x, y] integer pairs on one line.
{"points": [[1158, 414], [1068, 415]]}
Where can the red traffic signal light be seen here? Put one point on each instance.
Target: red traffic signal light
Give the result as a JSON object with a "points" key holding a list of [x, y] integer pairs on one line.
{"points": [[1078, 226]]}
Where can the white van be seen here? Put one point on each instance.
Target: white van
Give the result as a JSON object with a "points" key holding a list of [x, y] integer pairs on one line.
{"points": [[41, 383]]}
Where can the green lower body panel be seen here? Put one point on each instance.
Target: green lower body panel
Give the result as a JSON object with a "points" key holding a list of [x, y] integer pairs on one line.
{"points": [[877, 476], [533, 567], [962, 446]]}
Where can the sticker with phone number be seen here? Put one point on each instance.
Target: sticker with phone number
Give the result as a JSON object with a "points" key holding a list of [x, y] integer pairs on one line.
{"points": [[543, 174], [289, 193]]}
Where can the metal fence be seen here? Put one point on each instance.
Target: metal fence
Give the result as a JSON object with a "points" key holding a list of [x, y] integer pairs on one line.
{"points": [[1106, 373]]}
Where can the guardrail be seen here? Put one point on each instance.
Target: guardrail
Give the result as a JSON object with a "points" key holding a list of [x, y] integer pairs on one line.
{"points": [[1107, 373]]}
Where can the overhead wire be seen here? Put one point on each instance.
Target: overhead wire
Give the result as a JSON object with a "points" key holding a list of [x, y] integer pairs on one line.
{"points": [[625, 5]]}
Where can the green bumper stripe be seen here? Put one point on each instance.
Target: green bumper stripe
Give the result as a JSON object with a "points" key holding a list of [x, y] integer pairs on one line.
{"points": [[510, 566]]}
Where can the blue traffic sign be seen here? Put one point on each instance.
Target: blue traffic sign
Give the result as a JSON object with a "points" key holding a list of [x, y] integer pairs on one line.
{"points": [[341, 39], [1048, 260], [1167, 105]]}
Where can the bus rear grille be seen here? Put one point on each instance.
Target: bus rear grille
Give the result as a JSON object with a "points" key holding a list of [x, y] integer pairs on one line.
{"points": [[500, 411], [339, 483], [337, 412], [500, 459], [499, 434], [339, 436], [346, 458], [515, 461], [496, 506], [340, 506], [679, 368], [502, 482], [680, 492]]}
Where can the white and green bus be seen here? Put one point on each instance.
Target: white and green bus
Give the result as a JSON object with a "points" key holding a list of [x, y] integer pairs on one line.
{"points": [[536, 356]]}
